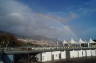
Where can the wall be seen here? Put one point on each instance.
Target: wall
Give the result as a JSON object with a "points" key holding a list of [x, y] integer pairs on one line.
{"points": [[74, 54], [93, 52], [46, 56], [63, 54], [88, 52], [80, 53], [57, 55]]}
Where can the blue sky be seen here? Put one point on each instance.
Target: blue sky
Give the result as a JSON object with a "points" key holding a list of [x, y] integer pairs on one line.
{"points": [[85, 10], [60, 19]]}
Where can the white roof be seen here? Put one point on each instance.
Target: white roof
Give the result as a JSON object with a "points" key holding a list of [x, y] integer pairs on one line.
{"points": [[81, 41], [73, 41], [91, 41], [65, 42]]}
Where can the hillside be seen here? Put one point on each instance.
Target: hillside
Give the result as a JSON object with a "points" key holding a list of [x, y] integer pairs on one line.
{"points": [[11, 40]]}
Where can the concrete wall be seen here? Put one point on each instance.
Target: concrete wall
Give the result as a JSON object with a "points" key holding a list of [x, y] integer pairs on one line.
{"points": [[63, 54], [39, 56], [47, 56], [88, 52], [80, 53], [43, 57], [83, 53], [57, 55], [74, 54], [93, 52]]}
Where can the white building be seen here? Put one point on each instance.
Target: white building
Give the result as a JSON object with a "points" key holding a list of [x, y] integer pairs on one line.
{"points": [[83, 43], [65, 43], [91, 43], [74, 43]]}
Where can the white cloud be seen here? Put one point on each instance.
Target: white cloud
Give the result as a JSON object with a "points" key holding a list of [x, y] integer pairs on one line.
{"points": [[20, 19]]}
